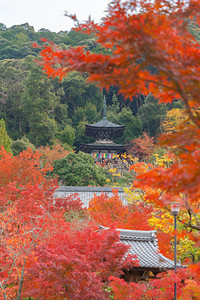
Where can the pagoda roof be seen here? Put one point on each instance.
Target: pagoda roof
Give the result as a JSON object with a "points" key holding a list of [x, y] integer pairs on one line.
{"points": [[115, 130], [103, 146], [104, 124]]}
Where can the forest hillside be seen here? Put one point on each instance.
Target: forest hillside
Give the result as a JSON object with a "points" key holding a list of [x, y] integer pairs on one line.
{"points": [[40, 111]]}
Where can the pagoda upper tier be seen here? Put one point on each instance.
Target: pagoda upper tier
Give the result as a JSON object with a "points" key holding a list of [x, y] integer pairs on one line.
{"points": [[104, 132]]}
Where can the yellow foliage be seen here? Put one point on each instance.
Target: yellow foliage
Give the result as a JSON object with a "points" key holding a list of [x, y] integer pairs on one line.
{"points": [[118, 174], [135, 159], [173, 119], [133, 195], [163, 161], [162, 222], [112, 170], [186, 248]]}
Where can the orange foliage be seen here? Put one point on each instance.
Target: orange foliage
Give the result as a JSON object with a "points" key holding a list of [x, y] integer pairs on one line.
{"points": [[109, 211], [181, 180], [142, 147], [21, 169], [25, 197], [174, 118], [50, 154], [76, 264], [158, 36]]}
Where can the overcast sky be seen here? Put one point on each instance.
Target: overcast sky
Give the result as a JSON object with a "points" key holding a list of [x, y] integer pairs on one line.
{"points": [[49, 14]]}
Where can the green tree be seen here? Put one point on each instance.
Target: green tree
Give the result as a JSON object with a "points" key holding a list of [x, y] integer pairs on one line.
{"points": [[67, 135], [12, 80], [151, 114], [133, 125], [88, 112], [2, 27], [20, 145], [42, 129], [80, 137], [78, 92], [40, 101], [80, 170], [76, 37], [115, 105], [15, 38], [5, 140]]}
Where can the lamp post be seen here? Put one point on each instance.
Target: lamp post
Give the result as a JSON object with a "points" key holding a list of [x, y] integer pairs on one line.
{"points": [[175, 207]]}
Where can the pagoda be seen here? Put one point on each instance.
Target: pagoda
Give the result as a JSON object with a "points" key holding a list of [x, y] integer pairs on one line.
{"points": [[104, 132]]}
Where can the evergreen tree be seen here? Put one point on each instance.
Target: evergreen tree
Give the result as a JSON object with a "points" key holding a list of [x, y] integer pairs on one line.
{"points": [[80, 169], [5, 140], [151, 114]]}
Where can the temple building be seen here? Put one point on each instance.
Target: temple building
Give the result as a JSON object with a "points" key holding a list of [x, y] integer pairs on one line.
{"points": [[142, 243], [104, 132]]}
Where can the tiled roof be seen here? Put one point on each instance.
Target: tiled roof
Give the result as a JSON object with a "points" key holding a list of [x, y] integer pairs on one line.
{"points": [[78, 189], [144, 245], [110, 145], [100, 147], [106, 124], [86, 193]]}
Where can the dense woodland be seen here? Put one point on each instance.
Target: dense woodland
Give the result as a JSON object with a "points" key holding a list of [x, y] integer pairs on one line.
{"points": [[44, 110]]}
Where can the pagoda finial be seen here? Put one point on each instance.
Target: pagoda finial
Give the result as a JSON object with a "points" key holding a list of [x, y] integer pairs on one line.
{"points": [[104, 108]]}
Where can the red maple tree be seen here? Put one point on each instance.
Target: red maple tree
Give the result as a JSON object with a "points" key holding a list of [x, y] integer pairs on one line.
{"points": [[188, 287], [109, 211], [48, 247], [142, 147], [76, 264], [50, 154]]}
